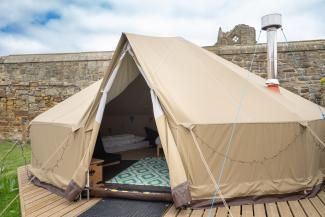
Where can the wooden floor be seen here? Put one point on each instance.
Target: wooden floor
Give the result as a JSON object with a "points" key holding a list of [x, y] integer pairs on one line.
{"points": [[36, 201], [313, 207]]}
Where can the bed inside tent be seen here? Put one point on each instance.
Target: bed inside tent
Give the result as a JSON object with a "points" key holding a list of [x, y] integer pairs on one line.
{"points": [[128, 139]]}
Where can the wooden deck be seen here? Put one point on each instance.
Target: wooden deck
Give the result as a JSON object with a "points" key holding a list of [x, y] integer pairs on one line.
{"points": [[36, 201], [313, 207]]}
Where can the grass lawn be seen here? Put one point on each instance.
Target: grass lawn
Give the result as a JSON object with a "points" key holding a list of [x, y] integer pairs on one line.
{"points": [[8, 175]]}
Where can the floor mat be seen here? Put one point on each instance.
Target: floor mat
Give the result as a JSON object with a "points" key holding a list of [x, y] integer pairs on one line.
{"points": [[149, 171], [112, 207]]}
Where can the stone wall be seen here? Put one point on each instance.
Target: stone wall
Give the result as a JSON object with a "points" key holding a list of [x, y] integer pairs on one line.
{"points": [[301, 64], [31, 84]]}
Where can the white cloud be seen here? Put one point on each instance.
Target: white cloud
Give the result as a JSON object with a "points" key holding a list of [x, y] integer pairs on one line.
{"points": [[97, 25], [21, 44]]}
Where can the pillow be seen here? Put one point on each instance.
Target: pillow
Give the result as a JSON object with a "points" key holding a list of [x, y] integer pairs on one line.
{"points": [[151, 136]]}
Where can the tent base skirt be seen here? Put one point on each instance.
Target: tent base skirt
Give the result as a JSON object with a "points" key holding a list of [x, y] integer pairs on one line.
{"points": [[198, 204], [134, 195]]}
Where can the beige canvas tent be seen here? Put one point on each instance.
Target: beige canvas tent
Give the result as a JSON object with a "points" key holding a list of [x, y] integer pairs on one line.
{"points": [[277, 147]]}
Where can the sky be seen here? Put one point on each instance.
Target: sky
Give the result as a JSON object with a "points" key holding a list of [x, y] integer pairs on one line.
{"points": [[54, 26]]}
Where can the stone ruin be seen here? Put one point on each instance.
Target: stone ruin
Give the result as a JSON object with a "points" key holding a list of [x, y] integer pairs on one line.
{"points": [[240, 35]]}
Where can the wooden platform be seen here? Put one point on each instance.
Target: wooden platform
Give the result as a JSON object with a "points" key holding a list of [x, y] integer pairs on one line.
{"points": [[313, 207], [36, 201]]}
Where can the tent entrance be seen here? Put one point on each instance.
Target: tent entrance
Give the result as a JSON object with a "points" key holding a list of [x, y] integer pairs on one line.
{"points": [[127, 139]]}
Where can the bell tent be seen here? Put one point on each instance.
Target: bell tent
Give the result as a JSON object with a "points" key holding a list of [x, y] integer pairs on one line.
{"points": [[194, 96]]}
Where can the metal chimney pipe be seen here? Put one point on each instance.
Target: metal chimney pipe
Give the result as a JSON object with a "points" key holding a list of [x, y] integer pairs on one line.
{"points": [[271, 23], [272, 56]]}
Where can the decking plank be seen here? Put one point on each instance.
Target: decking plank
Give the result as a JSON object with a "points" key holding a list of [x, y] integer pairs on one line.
{"points": [[45, 200], [320, 207], [296, 209], [31, 192], [259, 210], [56, 209], [171, 212], [321, 196], [81, 209], [21, 200], [309, 208], [222, 212], [284, 209], [32, 207], [28, 188], [197, 213], [69, 208], [247, 211], [36, 197], [272, 210], [208, 211], [47, 208], [184, 213], [235, 211], [25, 180]]}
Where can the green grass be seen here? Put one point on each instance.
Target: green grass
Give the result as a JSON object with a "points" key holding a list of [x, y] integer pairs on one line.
{"points": [[8, 175]]}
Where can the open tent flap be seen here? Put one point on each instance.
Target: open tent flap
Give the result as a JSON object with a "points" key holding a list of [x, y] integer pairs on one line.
{"points": [[130, 112], [125, 105]]}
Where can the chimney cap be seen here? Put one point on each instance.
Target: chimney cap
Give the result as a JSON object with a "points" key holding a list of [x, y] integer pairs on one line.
{"points": [[271, 20]]}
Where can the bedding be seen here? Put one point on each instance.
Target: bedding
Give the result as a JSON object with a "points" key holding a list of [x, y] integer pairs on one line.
{"points": [[123, 142]]}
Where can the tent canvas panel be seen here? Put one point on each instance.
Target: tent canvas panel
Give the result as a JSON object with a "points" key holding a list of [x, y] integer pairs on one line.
{"points": [[296, 151]]}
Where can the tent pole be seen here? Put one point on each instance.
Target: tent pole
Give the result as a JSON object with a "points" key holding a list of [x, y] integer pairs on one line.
{"points": [[87, 185]]}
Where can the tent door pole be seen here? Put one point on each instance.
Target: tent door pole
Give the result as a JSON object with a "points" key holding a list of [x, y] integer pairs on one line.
{"points": [[87, 185]]}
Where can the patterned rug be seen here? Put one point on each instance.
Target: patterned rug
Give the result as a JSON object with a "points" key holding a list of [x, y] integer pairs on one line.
{"points": [[149, 171]]}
